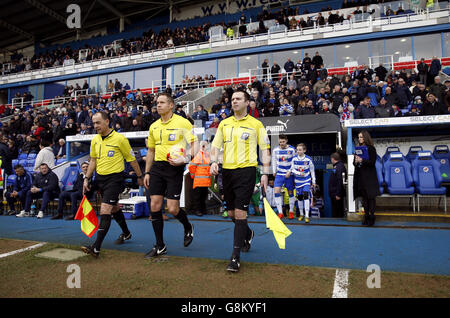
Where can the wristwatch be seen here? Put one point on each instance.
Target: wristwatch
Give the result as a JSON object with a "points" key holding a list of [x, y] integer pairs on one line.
{"points": [[147, 172]]}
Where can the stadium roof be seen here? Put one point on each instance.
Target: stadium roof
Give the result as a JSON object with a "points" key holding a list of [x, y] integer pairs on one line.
{"points": [[26, 21]]}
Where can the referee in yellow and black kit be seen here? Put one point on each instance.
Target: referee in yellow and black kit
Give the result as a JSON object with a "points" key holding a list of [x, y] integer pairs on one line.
{"points": [[240, 136], [108, 151], [168, 138]]}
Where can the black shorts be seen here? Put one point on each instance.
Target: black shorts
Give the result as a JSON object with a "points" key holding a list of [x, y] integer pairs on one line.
{"points": [[110, 186], [238, 186], [166, 180]]}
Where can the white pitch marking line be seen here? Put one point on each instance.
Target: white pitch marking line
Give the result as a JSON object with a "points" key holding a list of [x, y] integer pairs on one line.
{"points": [[22, 250], [340, 284]]}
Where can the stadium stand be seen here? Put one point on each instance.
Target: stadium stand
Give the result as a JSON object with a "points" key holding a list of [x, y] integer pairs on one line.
{"points": [[306, 85]]}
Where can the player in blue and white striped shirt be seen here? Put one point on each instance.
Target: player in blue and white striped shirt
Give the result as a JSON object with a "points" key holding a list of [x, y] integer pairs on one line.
{"points": [[302, 168], [281, 163]]}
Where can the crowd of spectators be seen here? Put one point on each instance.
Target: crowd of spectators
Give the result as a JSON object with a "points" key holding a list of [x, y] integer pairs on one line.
{"points": [[305, 88], [167, 37]]}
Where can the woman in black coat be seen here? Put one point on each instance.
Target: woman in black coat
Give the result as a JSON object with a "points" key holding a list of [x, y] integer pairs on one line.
{"points": [[365, 181]]}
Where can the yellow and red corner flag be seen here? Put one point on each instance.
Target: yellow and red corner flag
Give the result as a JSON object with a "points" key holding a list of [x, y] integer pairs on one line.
{"points": [[273, 222], [87, 216]]}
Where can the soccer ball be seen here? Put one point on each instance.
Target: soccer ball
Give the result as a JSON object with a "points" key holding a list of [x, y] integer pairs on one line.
{"points": [[175, 152]]}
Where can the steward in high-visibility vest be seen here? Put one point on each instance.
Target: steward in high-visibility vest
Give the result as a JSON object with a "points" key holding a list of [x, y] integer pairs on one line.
{"points": [[230, 32], [199, 169]]}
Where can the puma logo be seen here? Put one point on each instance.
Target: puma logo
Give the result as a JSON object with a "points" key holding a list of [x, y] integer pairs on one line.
{"points": [[284, 124]]}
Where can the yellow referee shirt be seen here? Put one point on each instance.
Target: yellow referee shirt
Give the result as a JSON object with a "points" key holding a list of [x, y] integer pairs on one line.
{"points": [[110, 153], [176, 133], [240, 139]]}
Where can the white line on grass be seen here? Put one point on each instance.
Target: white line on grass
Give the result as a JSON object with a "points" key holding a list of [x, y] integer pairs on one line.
{"points": [[340, 284], [22, 250]]}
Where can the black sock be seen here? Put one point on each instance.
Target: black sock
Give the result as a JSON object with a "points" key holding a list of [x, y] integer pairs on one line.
{"points": [[158, 227], [120, 219], [249, 230], [105, 222], [182, 217], [240, 232]]}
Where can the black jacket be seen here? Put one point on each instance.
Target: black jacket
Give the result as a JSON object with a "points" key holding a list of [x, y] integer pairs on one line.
{"points": [[6, 159], [335, 183], [48, 182], [365, 181]]}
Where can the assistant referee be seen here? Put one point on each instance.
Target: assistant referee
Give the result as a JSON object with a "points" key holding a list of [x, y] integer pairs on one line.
{"points": [[108, 151], [240, 135], [168, 138]]}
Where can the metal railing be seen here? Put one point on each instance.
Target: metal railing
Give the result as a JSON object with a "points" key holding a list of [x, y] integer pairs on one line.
{"points": [[153, 55]]}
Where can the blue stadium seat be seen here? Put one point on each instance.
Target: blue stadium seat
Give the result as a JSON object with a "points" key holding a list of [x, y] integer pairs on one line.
{"points": [[389, 150], [379, 167], [427, 175], [30, 170], [211, 116], [208, 123], [30, 162], [59, 161], [412, 153], [397, 174], [442, 154], [23, 156], [31, 156], [70, 176], [14, 162], [11, 179], [23, 162]]}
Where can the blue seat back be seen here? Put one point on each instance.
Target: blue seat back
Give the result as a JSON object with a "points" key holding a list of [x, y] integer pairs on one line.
{"points": [[30, 162], [442, 154], [14, 162], [388, 151], [23, 162], [70, 175], [31, 156], [412, 152], [23, 156], [59, 161], [397, 171], [379, 167], [426, 172]]}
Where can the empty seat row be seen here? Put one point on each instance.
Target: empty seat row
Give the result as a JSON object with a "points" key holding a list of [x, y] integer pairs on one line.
{"points": [[401, 177]]}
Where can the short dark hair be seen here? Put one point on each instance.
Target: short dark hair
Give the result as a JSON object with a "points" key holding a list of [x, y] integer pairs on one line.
{"points": [[45, 142], [168, 96], [283, 137], [103, 114], [246, 95], [18, 166], [335, 156]]}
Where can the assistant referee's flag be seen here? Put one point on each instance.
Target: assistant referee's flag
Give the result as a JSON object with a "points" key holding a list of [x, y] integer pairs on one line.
{"points": [[87, 216], [273, 222]]}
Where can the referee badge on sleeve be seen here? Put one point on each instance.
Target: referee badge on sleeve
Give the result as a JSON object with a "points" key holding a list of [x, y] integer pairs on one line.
{"points": [[132, 153], [111, 153]]}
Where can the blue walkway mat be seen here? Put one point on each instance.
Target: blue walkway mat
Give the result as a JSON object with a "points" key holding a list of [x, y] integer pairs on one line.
{"points": [[420, 248]]}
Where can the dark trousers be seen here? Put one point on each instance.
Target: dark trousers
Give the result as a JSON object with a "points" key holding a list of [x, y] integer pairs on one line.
{"points": [[46, 198], [337, 208], [200, 195], [12, 200], [73, 196], [369, 206]]}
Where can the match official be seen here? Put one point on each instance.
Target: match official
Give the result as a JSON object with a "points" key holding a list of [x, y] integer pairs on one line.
{"points": [[240, 135], [166, 158], [108, 151]]}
